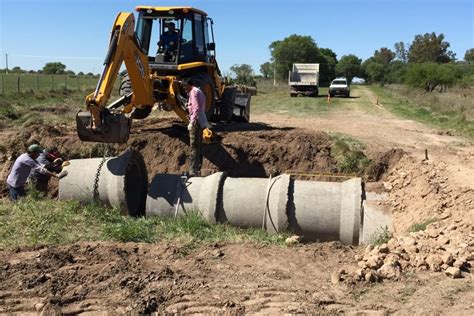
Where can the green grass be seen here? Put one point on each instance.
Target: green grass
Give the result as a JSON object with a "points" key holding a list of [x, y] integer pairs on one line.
{"points": [[420, 226], [276, 99], [382, 237], [37, 82], [349, 154], [435, 111], [33, 222]]}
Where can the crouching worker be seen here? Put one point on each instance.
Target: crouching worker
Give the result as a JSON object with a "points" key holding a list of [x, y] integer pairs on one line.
{"points": [[21, 169], [197, 122], [52, 161]]}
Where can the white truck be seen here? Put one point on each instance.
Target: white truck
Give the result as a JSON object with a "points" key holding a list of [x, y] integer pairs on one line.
{"points": [[304, 79]]}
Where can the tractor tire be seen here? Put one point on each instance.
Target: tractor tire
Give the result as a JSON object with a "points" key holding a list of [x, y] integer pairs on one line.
{"points": [[227, 104], [204, 82], [126, 88]]}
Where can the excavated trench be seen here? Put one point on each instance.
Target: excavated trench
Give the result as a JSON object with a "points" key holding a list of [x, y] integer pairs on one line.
{"points": [[253, 151]]}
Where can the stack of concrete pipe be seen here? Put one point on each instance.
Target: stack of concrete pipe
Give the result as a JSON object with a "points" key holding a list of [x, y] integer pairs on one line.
{"points": [[316, 210]]}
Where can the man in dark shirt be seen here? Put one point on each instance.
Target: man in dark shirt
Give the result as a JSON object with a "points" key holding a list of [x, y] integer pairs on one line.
{"points": [[169, 39], [52, 161]]}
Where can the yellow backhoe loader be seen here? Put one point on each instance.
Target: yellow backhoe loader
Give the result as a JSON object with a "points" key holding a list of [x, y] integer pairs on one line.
{"points": [[167, 45]]}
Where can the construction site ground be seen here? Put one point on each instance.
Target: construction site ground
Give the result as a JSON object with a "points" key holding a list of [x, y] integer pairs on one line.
{"points": [[234, 278]]}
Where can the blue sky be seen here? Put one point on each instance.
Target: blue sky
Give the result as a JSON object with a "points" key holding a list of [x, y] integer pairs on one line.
{"points": [[76, 33]]}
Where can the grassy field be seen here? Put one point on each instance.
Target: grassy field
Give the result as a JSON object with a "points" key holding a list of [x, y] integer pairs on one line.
{"points": [[33, 221], [276, 99], [21, 83], [452, 111]]}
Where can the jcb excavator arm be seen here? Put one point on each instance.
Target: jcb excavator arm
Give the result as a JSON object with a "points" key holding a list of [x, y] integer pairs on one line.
{"points": [[100, 124]]}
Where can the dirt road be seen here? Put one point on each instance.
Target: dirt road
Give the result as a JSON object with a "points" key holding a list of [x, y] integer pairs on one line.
{"points": [[86, 278]]}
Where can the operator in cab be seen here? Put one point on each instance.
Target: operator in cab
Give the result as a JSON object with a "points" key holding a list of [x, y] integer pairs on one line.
{"points": [[169, 39]]}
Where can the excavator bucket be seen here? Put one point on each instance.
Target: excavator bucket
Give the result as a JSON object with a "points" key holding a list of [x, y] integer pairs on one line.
{"points": [[115, 128], [242, 107]]}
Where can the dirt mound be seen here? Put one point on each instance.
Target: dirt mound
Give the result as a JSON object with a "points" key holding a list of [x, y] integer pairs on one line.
{"points": [[245, 150]]}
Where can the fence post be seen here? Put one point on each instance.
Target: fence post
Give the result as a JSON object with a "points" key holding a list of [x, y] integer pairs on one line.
{"points": [[77, 79], [52, 80], [37, 83], [18, 84], [65, 81]]}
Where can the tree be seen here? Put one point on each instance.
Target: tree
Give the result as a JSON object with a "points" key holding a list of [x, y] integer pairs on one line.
{"points": [[17, 70], [401, 52], [293, 49], [70, 72], [384, 56], [349, 66], [469, 56], [266, 69], [327, 69], [430, 75], [430, 48], [80, 73], [243, 74], [54, 68]]}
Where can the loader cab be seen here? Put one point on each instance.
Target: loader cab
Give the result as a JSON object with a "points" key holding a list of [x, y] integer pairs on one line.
{"points": [[173, 36]]}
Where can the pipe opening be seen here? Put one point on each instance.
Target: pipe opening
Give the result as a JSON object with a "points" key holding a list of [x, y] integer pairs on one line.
{"points": [[136, 185]]}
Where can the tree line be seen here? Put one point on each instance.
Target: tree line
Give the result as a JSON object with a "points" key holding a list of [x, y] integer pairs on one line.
{"points": [[52, 68], [426, 63]]}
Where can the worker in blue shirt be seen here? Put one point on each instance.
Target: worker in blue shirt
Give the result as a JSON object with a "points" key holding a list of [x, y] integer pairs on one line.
{"points": [[169, 39]]}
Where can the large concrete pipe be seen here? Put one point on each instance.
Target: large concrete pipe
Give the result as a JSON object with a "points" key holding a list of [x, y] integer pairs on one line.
{"points": [[316, 210], [115, 182]]}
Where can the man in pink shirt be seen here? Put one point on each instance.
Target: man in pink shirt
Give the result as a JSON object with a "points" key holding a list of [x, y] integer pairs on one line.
{"points": [[197, 122]]}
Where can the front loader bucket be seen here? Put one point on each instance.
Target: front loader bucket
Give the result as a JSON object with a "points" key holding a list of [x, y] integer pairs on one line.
{"points": [[115, 128], [242, 107]]}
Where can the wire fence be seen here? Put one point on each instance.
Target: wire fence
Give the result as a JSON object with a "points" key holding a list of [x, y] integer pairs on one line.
{"points": [[24, 83]]}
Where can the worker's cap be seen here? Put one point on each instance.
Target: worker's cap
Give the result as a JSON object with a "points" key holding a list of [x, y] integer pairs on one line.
{"points": [[35, 148], [171, 24]]}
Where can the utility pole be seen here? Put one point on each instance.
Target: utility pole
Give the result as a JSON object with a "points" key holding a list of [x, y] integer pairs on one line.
{"points": [[6, 62], [274, 74]]}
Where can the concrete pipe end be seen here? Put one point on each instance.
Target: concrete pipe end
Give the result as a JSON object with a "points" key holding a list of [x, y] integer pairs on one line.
{"points": [[135, 184]]}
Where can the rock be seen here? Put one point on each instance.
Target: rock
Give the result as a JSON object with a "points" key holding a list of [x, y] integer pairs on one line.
{"points": [[362, 264], [443, 240], [459, 263], [374, 262], [412, 249], [39, 307], [336, 276], [387, 185], [383, 248], [389, 271], [358, 257], [293, 240], [371, 276], [447, 258], [407, 241], [453, 272], [432, 233], [368, 249], [434, 262], [391, 259], [444, 266]]}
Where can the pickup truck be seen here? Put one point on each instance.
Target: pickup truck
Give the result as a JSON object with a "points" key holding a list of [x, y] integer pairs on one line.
{"points": [[304, 79], [339, 86]]}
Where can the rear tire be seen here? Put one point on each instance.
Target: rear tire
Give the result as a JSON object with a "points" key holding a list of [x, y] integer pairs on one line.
{"points": [[227, 104], [124, 89]]}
